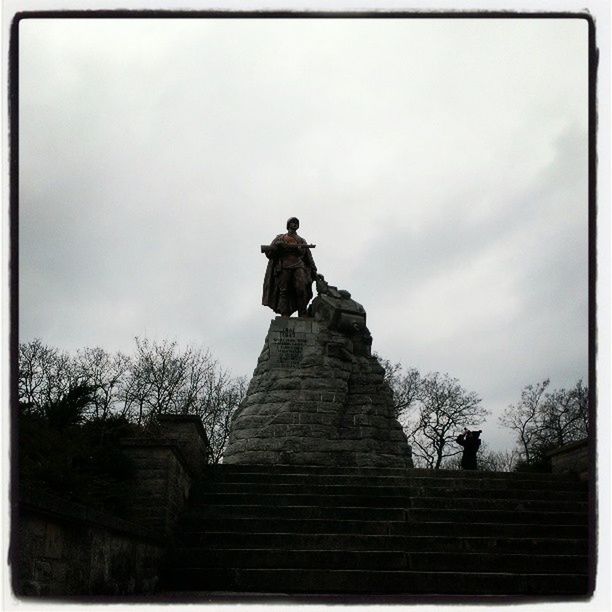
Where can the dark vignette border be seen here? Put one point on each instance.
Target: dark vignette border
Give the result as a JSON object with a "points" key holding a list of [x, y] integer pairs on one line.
{"points": [[13, 110]]}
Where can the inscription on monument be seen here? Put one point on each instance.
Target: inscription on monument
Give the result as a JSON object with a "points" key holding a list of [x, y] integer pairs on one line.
{"points": [[287, 348]]}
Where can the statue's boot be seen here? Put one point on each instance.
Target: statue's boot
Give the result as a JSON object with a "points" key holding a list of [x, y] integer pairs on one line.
{"points": [[283, 306]]}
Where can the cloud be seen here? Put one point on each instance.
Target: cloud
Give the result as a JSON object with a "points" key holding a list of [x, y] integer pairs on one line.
{"points": [[439, 165]]}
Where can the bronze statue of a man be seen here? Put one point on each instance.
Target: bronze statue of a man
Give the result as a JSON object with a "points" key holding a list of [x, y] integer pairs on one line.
{"points": [[290, 272]]}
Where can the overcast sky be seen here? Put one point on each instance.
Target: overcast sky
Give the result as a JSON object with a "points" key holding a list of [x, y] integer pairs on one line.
{"points": [[440, 166]]}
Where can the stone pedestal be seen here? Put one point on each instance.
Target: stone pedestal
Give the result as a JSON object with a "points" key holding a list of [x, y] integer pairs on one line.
{"points": [[317, 396], [187, 431]]}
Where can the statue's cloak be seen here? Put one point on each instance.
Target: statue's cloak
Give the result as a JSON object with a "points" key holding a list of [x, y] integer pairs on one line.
{"points": [[271, 289]]}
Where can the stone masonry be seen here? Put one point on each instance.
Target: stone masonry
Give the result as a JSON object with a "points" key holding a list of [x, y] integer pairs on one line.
{"points": [[318, 396], [65, 549]]}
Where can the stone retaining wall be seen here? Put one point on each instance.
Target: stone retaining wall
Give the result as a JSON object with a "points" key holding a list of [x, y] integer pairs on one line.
{"points": [[67, 549], [64, 549]]}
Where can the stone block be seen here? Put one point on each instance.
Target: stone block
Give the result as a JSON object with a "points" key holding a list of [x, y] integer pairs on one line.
{"points": [[245, 434], [350, 433], [254, 457], [286, 382], [238, 447], [318, 418], [275, 408], [305, 457], [330, 407]]}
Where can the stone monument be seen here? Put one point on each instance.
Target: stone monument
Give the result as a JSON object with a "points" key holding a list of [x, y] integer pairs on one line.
{"points": [[317, 396]]}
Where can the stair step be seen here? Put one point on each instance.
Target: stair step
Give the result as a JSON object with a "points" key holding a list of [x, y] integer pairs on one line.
{"points": [[271, 470], [375, 582], [263, 525], [502, 530], [399, 481], [389, 514], [389, 501], [499, 516], [276, 468], [335, 530], [499, 492], [406, 543], [377, 560], [298, 512]]}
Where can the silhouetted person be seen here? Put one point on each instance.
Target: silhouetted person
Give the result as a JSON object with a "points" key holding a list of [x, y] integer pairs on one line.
{"points": [[470, 440], [290, 272]]}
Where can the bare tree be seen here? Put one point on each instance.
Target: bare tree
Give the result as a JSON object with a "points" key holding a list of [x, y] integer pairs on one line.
{"points": [[497, 461], [160, 378], [544, 420], [45, 375], [201, 370], [104, 374], [217, 407], [444, 409], [565, 416], [525, 417], [165, 379], [34, 360], [157, 379], [404, 385]]}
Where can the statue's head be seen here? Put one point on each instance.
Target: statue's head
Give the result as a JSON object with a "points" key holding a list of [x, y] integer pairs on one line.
{"points": [[293, 220]]}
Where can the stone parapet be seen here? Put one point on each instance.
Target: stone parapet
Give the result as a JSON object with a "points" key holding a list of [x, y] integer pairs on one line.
{"points": [[187, 431], [162, 481], [572, 458]]}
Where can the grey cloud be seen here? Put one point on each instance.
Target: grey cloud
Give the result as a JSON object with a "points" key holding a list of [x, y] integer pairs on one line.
{"points": [[157, 156]]}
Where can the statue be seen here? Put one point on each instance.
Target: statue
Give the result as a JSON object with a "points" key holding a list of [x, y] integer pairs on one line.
{"points": [[290, 272], [317, 396]]}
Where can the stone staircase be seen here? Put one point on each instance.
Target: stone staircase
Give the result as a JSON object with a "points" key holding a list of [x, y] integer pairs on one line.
{"points": [[374, 531]]}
